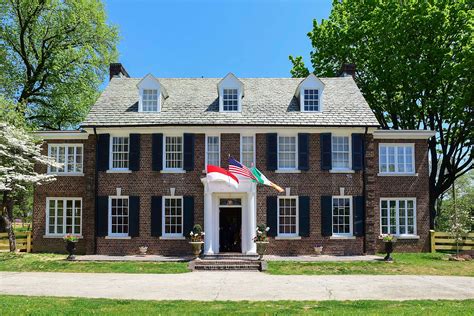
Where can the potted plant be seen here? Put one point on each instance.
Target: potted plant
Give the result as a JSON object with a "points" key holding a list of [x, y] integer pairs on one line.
{"points": [[71, 241], [143, 250], [389, 241], [261, 239], [196, 236], [318, 250]]}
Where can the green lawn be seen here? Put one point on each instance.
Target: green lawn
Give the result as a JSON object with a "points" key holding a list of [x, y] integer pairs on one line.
{"points": [[23, 305], [57, 263], [404, 263]]}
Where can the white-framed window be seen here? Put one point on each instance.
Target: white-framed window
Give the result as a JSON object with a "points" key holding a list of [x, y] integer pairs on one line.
{"points": [[119, 151], [342, 216], [398, 216], [172, 216], [70, 155], [230, 100], [173, 153], [310, 100], [247, 150], [118, 216], [287, 152], [397, 158], [287, 216], [213, 156], [341, 153], [63, 216], [149, 100]]}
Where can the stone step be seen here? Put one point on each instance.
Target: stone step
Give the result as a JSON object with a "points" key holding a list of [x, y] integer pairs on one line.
{"points": [[230, 256], [221, 264]]}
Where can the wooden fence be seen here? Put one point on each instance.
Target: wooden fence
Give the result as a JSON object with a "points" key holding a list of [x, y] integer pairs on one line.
{"points": [[445, 241], [23, 241]]}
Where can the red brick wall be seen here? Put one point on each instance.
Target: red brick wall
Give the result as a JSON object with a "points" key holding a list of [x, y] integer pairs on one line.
{"points": [[313, 183]]}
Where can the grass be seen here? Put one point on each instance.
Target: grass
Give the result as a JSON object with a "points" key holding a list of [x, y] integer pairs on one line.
{"points": [[404, 263], [23, 305], [27, 262]]}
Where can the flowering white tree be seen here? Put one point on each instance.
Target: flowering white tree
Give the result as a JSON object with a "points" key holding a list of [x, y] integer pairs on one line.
{"points": [[19, 152]]}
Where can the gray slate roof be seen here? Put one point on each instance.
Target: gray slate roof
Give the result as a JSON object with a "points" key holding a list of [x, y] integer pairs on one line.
{"points": [[267, 101]]}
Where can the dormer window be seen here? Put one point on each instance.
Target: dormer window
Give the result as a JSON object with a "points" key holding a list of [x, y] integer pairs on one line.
{"points": [[310, 94], [231, 100], [151, 94], [311, 100], [231, 92], [150, 100]]}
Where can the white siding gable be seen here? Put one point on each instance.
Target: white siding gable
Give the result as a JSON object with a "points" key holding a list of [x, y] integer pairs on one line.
{"points": [[150, 89], [230, 89], [310, 84]]}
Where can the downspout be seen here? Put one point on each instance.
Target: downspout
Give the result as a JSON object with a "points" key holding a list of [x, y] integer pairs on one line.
{"points": [[96, 189], [364, 191]]}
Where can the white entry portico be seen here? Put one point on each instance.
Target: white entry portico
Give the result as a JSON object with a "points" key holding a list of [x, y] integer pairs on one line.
{"points": [[216, 190]]}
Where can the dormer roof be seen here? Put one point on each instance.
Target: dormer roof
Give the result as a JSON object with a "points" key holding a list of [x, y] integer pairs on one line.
{"points": [[230, 81], [150, 82]]}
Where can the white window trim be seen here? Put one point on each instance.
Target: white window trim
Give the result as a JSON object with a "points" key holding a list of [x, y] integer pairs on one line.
{"points": [[173, 170], [342, 170], [206, 149], [302, 99], [51, 235], [140, 103], [297, 231], [351, 217], [111, 235], [66, 145], [395, 173], [111, 162], [397, 217], [221, 99], [289, 170], [164, 235], [253, 149]]}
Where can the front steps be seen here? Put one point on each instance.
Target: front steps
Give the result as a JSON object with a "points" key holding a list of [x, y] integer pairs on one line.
{"points": [[228, 262]]}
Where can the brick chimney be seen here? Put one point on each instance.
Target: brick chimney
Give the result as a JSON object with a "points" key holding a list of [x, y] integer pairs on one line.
{"points": [[117, 70], [347, 70]]}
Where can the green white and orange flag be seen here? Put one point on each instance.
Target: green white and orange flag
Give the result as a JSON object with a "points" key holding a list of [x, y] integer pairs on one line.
{"points": [[263, 180]]}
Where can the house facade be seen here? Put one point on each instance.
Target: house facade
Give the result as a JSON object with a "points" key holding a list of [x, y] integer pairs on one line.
{"points": [[134, 175]]}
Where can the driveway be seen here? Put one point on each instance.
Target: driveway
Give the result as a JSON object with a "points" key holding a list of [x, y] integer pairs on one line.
{"points": [[236, 286]]}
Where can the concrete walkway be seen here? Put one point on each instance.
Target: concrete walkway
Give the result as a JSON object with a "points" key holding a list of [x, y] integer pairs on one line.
{"points": [[237, 286]]}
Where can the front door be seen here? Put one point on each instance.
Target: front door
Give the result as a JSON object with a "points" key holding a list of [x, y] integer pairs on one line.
{"points": [[230, 226]]}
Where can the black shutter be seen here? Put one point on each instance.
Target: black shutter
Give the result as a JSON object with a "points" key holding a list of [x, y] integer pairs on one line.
{"points": [[272, 213], [326, 159], [188, 214], [134, 157], [303, 151], [157, 152], [326, 215], [156, 215], [272, 154], [103, 147], [357, 151], [188, 152], [359, 216], [102, 216], [303, 208], [133, 216]]}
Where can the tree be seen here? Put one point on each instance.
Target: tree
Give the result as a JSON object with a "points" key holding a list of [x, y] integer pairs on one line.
{"points": [[415, 62], [19, 152], [53, 57], [459, 221]]}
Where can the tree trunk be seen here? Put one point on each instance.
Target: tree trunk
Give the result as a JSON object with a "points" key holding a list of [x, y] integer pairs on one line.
{"points": [[3, 226], [8, 218]]}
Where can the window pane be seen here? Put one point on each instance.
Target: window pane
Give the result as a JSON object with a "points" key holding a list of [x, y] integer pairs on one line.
{"points": [[287, 215], [150, 100], [341, 216], [230, 100], [173, 214], [287, 152], [119, 215], [213, 156], [311, 100], [340, 152], [247, 151], [174, 152], [120, 152]]}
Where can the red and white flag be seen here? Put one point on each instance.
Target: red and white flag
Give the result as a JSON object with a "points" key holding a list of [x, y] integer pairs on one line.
{"points": [[215, 173]]}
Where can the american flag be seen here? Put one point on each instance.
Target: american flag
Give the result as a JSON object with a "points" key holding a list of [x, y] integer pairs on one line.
{"points": [[237, 168]]}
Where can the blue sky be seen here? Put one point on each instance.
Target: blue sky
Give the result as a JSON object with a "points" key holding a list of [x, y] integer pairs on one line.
{"points": [[185, 38]]}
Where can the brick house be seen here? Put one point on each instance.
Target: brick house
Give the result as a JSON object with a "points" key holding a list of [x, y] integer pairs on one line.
{"points": [[134, 174]]}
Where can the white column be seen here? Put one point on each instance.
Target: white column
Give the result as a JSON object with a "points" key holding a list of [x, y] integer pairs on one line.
{"points": [[252, 219], [208, 227]]}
